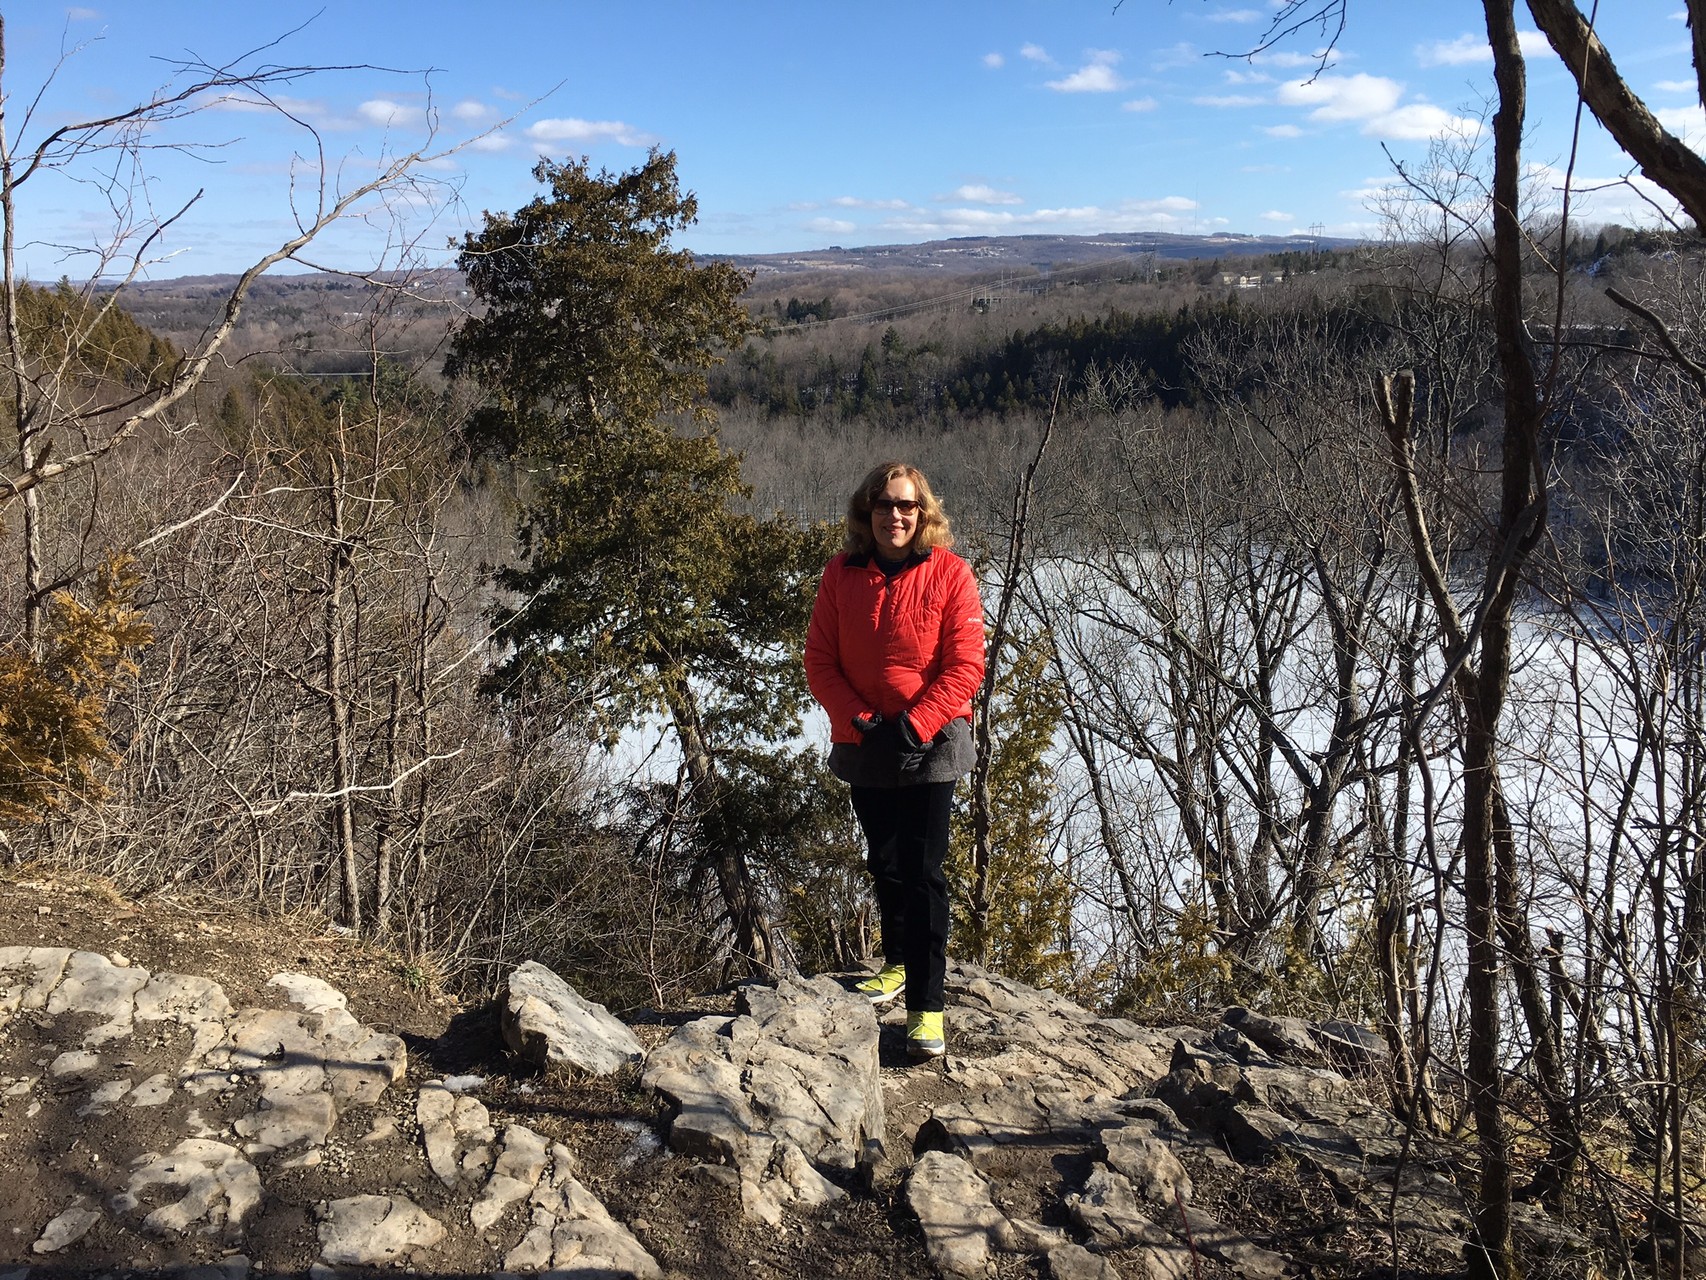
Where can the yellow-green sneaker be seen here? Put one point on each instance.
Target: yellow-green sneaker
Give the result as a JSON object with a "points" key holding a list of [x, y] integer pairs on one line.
{"points": [[887, 983], [924, 1035]]}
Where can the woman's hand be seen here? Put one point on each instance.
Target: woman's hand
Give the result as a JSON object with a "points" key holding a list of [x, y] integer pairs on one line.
{"points": [[910, 750]]}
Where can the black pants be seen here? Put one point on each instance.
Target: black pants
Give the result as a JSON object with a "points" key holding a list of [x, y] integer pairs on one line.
{"points": [[907, 831]]}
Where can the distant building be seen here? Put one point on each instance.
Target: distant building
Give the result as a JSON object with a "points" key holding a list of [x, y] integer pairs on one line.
{"points": [[1234, 280]]}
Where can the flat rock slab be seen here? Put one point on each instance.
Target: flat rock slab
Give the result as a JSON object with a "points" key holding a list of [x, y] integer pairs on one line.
{"points": [[1040, 1035], [547, 1022], [1028, 1120], [571, 1233], [214, 1185], [375, 1231], [796, 1069], [963, 1229], [457, 1132]]}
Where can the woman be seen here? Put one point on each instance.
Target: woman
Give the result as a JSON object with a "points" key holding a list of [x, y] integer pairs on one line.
{"points": [[894, 654]]}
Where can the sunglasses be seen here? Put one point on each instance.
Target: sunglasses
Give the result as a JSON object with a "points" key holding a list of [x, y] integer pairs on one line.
{"points": [[906, 506]]}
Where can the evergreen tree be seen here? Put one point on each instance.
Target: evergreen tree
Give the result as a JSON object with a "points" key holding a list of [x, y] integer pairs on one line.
{"points": [[643, 580], [1026, 935]]}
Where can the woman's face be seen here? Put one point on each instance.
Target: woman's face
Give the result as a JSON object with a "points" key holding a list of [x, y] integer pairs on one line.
{"points": [[894, 517]]}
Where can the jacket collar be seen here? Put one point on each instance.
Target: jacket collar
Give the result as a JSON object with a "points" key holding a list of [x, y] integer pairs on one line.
{"points": [[868, 560]]}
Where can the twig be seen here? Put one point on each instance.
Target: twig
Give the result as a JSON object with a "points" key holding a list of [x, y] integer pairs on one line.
{"points": [[1196, 1260]]}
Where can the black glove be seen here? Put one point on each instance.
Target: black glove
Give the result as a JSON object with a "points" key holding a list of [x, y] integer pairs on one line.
{"points": [[878, 737], [910, 750]]}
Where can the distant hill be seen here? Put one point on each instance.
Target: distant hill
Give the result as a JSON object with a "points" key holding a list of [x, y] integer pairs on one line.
{"points": [[321, 323], [983, 254]]}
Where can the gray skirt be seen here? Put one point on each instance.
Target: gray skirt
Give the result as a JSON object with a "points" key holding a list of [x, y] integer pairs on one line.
{"points": [[951, 756]]}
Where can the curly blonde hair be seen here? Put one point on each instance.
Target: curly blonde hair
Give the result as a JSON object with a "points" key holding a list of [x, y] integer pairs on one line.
{"points": [[933, 530]]}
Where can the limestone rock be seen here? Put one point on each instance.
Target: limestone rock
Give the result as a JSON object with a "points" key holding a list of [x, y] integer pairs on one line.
{"points": [[28, 976], [787, 1178], [548, 1022], [1147, 1162], [1107, 1209], [67, 1228], [519, 1166], [1035, 1119], [219, 1187], [572, 1232], [1043, 1036], [1075, 1262], [962, 1226], [1288, 1039], [358, 1062], [95, 986], [1354, 1047], [372, 1231], [457, 1132], [181, 998], [798, 1067], [1244, 1256], [152, 1092], [74, 1063]]}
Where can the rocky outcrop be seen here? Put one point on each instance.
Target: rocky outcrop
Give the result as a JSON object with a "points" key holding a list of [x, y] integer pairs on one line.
{"points": [[237, 1103], [791, 1082], [1092, 1147]]}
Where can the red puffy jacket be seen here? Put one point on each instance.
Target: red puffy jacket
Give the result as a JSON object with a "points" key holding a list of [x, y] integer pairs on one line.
{"points": [[911, 643]]}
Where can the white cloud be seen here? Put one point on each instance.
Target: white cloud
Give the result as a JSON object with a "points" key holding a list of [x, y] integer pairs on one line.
{"points": [[980, 194], [831, 226], [1372, 103], [1282, 131], [1376, 190], [295, 106], [384, 112], [1235, 76], [1163, 214], [1688, 123], [994, 60], [573, 129], [1632, 201], [1139, 104], [1095, 76], [1335, 99], [1265, 168], [491, 142], [1465, 50], [1035, 53], [1182, 54], [858, 202], [1276, 215], [1677, 86], [1234, 15], [1419, 121], [1291, 59], [1229, 100], [78, 14], [1470, 49], [472, 111]]}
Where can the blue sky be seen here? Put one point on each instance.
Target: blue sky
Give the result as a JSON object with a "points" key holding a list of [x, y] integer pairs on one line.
{"points": [[803, 124]]}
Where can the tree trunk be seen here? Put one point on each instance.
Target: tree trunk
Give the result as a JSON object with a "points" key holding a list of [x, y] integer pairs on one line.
{"points": [[754, 940], [337, 703]]}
